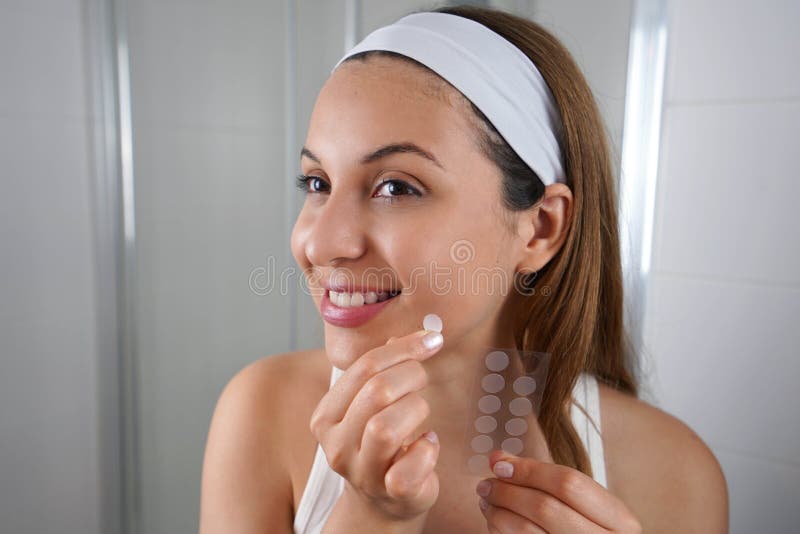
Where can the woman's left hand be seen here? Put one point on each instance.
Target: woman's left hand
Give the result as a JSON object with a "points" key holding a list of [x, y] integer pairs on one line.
{"points": [[547, 497]]}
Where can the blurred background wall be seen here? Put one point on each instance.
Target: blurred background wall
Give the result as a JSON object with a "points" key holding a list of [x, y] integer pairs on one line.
{"points": [[221, 93], [724, 290], [49, 405]]}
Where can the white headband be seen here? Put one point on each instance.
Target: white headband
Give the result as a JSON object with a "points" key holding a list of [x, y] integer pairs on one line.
{"points": [[491, 72]]}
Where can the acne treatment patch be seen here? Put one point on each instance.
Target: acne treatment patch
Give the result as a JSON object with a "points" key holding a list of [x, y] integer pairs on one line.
{"points": [[504, 401]]}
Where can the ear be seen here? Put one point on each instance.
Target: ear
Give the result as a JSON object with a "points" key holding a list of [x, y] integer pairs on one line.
{"points": [[544, 226]]}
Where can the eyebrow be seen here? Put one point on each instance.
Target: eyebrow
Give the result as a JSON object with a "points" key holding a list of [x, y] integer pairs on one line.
{"points": [[382, 152]]}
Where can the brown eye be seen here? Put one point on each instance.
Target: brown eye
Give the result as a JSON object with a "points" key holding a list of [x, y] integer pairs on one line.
{"points": [[310, 183], [397, 188]]}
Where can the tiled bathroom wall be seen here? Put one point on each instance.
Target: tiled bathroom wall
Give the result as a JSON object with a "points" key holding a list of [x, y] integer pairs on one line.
{"points": [[724, 297], [49, 471]]}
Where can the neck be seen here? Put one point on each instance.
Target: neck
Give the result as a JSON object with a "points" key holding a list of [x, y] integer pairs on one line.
{"points": [[455, 374]]}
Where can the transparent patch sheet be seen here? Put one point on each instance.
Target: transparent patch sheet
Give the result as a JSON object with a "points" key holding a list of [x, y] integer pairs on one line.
{"points": [[505, 397]]}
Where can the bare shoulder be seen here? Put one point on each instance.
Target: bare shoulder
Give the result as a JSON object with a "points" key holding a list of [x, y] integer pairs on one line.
{"points": [[661, 468], [246, 461], [294, 373]]}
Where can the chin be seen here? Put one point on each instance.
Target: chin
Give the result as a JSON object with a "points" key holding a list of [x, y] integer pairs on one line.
{"points": [[344, 346]]}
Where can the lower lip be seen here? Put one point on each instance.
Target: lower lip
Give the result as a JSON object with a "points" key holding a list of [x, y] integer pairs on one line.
{"points": [[350, 317]]}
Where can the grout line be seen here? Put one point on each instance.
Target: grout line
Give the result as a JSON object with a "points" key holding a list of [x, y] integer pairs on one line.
{"points": [[726, 280], [174, 126], [751, 455], [48, 116], [732, 101]]}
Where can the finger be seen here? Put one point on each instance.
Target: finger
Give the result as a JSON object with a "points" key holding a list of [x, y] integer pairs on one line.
{"points": [[570, 486], [503, 521], [413, 472], [333, 406], [385, 432], [383, 390], [541, 508], [365, 421], [373, 418]]}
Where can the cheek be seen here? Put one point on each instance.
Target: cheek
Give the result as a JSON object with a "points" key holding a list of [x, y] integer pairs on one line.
{"points": [[468, 277]]}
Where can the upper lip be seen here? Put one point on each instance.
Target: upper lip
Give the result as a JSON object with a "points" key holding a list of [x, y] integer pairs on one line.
{"points": [[354, 288]]}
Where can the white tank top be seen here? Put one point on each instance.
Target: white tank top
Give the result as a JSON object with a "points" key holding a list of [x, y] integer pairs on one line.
{"points": [[325, 485]]}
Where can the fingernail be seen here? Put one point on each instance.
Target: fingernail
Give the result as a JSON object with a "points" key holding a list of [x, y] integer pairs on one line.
{"points": [[503, 469], [432, 340], [483, 504], [483, 488], [432, 437]]}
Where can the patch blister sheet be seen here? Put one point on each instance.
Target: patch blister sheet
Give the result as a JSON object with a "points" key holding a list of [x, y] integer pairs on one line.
{"points": [[505, 397]]}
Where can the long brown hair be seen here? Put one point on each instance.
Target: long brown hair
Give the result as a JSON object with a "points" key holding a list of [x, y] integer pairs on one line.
{"points": [[576, 310]]}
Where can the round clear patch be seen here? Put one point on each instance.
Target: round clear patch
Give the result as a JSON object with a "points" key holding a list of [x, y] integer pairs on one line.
{"points": [[512, 446], [496, 360], [482, 443], [516, 426], [520, 406], [432, 322], [490, 404], [485, 424], [493, 383], [524, 385]]}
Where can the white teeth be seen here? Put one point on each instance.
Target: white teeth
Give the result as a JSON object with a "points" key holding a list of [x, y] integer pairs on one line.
{"points": [[340, 299], [352, 300]]}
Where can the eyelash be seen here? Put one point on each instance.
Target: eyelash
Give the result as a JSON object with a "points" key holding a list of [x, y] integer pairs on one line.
{"points": [[302, 181]]}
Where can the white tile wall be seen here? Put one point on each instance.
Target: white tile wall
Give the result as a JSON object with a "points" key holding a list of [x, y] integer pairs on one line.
{"points": [[725, 356], [724, 293], [726, 179], [763, 493], [44, 220], [49, 467], [42, 58], [723, 50], [207, 89], [208, 214], [208, 64]]}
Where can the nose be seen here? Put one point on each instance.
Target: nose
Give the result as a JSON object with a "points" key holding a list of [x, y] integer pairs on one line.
{"points": [[336, 233]]}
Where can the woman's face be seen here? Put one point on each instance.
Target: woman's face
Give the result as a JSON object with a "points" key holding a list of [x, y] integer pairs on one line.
{"points": [[434, 231]]}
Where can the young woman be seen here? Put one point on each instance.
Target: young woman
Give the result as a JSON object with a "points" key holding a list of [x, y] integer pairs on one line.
{"points": [[459, 140]]}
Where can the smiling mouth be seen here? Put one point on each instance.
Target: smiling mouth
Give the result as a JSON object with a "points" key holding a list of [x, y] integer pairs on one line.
{"points": [[356, 300]]}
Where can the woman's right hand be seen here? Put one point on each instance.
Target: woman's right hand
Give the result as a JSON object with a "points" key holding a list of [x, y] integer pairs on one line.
{"points": [[365, 422]]}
